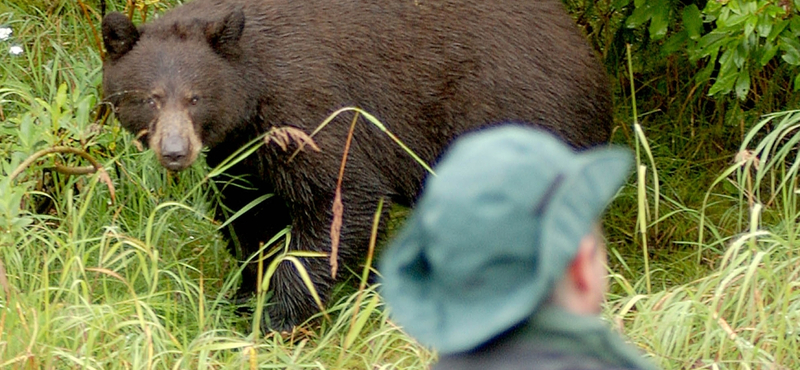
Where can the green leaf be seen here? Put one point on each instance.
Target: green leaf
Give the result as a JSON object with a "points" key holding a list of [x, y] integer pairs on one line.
{"points": [[726, 60], [791, 58], [749, 7], [797, 82], [750, 25], [733, 20], [791, 49], [794, 25], [619, 4], [44, 105], [740, 54], [61, 95], [26, 131], [722, 18], [708, 45], [769, 53], [712, 9], [742, 84], [726, 77], [764, 26], [83, 110], [773, 11], [659, 21], [639, 16], [705, 74], [56, 112], [21, 222], [692, 21], [674, 43], [722, 85], [777, 29]]}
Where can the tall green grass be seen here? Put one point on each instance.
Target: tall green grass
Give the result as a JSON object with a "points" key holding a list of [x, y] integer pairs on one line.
{"points": [[141, 279], [742, 311]]}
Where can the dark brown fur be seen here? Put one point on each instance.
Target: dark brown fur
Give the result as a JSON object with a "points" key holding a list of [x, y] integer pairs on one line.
{"points": [[222, 72]]}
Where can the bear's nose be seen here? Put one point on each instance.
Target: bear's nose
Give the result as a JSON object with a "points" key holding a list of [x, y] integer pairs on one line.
{"points": [[174, 151]]}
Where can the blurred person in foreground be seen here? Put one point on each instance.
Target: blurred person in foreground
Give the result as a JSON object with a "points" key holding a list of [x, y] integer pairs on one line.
{"points": [[502, 265]]}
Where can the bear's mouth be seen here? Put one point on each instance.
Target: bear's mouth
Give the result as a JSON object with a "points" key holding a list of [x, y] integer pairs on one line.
{"points": [[174, 165]]}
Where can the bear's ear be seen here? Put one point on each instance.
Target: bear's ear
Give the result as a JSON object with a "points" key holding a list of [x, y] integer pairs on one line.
{"points": [[224, 35], [119, 35]]}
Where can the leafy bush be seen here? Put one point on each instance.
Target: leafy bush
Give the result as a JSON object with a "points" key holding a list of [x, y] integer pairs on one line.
{"points": [[737, 40]]}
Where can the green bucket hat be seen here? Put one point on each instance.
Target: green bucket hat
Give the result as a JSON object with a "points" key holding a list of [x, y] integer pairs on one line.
{"points": [[493, 232]]}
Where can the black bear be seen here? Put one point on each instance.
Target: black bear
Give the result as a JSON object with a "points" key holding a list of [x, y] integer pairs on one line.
{"points": [[219, 73]]}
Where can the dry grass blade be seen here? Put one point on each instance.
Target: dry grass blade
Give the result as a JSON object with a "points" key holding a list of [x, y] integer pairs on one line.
{"points": [[252, 357], [336, 230], [108, 272], [283, 136], [137, 142], [92, 28], [374, 121], [338, 207], [85, 170], [4, 280]]}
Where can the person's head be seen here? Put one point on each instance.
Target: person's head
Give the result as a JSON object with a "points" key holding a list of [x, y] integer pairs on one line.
{"points": [[509, 223]]}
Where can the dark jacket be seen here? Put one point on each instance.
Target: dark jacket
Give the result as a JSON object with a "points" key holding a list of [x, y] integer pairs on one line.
{"points": [[522, 356], [552, 340]]}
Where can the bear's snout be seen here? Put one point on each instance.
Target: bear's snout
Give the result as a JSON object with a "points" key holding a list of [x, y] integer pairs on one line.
{"points": [[174, 151], [175, 140]]}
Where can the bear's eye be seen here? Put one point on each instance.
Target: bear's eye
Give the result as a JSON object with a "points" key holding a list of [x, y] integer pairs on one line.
{"points": [[150, 102], [194, 100]]}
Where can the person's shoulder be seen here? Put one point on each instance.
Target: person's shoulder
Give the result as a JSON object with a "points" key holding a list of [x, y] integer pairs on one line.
{"points": [[529, 363], [522, 358]]}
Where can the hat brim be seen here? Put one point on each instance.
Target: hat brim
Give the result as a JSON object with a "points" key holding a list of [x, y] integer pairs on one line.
{"points": [[457, 326]]}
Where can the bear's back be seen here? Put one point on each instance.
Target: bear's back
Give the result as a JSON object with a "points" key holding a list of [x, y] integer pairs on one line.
{"points": [[462, 63], [428, 69]]}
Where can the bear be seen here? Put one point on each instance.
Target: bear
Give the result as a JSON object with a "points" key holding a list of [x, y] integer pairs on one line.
{"points": [[216, 74]]}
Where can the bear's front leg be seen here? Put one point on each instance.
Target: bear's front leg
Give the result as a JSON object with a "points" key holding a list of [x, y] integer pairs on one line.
{"points": [[291, 302], [249, 231]]}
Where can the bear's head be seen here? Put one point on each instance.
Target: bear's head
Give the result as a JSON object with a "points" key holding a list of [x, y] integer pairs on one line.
{"points": [[176, 84]]}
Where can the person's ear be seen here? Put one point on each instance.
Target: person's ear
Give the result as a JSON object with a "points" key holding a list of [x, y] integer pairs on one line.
{"points": [[580, 269]]}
